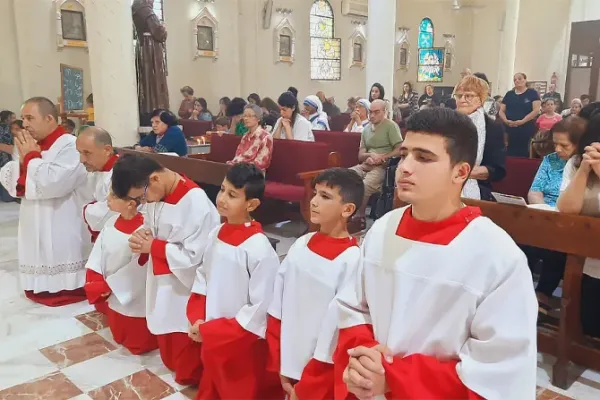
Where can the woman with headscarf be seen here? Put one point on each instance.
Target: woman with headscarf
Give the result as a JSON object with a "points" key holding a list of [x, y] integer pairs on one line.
{"points": [[360, 116], [313, 111]]}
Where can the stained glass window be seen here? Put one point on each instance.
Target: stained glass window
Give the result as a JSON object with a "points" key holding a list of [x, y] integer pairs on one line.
{"points": [[426, 34], [431, 65], [325, 50]]}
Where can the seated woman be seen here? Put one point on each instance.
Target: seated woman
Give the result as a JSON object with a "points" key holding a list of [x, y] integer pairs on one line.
{"points": [[187, 104], [256, 146], [313, 111], [580, 194], [270, 111], [360, 116], [235, 110], [291, 125], [166, 136], [575, 108], [201, 112]]}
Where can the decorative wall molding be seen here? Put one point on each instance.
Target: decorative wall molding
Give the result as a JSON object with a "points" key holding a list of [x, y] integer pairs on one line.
{"points": [[284, 11], [449, 46], [205, 25], [402, 49], [284, 40], [357, 49], [70, 32]]}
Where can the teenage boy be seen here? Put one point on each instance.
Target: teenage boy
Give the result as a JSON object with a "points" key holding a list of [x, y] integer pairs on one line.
{"points": [[231, 294], [179, 216], [301, 329], [114, 277], [444, 304]]}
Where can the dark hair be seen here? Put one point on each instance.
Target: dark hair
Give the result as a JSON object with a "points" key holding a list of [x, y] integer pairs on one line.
{"points": [[132, 171], [542, 143], [294, 91], [350, 185], [45, 106], [287, 99], [202, 102], [249, 177], [17, 122], [187, 90], [567, 126], [165, 116], [381, 91], [497, 97], [269, 104], [547, 100], [457, 129], [236, 107], [90, 99], [585, 97], [255, 97], [5, 116], [482, 76], [591, 134], [69, 122], [224, 121], [225, 100]]}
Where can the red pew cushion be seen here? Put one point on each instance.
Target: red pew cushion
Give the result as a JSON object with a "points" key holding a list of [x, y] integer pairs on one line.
{"points": [[222, 148], [284, 192], [193, 127], [291, 157], [347, 144], [519, 176]]}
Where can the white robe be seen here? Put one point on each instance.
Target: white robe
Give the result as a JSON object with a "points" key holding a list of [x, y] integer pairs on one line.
{"points": [[96, 213], [52, 247], [472, 300], [185, 226], [238, 280], [304, 301], [112, 258]]}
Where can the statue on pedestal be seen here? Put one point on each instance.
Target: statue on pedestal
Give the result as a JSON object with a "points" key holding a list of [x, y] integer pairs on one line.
{"points": [[150, 61]]}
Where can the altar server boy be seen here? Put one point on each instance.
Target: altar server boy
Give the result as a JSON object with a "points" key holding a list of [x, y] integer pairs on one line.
{"points": [[114, 277], [302, 322], [231, 294], [178, 219], [443, 306]]}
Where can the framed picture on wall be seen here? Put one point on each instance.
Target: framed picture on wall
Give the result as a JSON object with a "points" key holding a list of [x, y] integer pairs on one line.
{"points": [[285, 45], [205, 38], [73, 25], [431, 65]]}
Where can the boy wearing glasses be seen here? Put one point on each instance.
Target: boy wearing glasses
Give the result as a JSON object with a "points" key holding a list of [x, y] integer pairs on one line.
{"points": [[178, 219], [115, 281]]}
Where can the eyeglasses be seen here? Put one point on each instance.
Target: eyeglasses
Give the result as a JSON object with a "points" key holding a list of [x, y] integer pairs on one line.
{"points": [[469, 97]]}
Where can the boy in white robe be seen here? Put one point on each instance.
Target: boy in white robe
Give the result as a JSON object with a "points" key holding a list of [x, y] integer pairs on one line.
{"points": [[178, 219], [301, 329], [231, 294], [444, 304], [115, 278]]}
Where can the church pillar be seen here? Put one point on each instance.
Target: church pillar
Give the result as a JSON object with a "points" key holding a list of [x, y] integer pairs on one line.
{"points": [[112, 64], [381, 38], [508, 46]]}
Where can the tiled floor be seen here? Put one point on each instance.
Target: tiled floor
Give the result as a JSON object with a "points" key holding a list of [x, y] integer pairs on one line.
{"points": [[68, 353]]}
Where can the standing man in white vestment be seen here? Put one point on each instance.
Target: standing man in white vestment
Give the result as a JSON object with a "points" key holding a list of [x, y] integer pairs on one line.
{"points": [[52, 250], [443, 306]]}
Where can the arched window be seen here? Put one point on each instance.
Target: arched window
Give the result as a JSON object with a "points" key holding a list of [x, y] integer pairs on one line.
{"points": [[426, 34], [325, 50]]}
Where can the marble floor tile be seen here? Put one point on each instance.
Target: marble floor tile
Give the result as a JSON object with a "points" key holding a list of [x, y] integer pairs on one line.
{"points": [[178, 396], [94, 320], [55, 386], [190, 392], [77, 350], [107, 335], [24, 368], [100, 371], [81, 397], [550, 395], [142, 385]]}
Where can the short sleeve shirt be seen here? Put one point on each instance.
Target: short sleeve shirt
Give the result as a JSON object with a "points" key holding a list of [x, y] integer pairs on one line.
{"points": [[549, 177], [381, 139], [519, 105]]}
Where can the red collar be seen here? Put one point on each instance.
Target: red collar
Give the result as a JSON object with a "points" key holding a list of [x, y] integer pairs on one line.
{"points": [[183, 186], [110, 163], [328, 247], [49, 140], [235, 235], [128, 226], [440, 232]]}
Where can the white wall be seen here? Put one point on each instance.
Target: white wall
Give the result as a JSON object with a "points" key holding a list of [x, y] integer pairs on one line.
{"points": [[10, 80], [585, 10]]}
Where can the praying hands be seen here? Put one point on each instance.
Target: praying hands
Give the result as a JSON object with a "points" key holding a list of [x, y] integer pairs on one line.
{"points": [[140, 241], [25, 144], [365, 376]]}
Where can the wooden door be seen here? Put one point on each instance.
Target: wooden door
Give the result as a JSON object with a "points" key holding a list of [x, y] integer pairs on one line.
{"points": [[583, 72]]}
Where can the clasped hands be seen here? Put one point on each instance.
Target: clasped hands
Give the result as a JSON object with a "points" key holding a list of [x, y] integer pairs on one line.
{"points": [[140, 241], [375, 159], [365, 375], [590, 159], [25, 143], [194, 332], [514, 124]]}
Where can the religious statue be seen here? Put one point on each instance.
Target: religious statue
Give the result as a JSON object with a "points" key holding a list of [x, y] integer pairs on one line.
{"points": [[151, 70]]}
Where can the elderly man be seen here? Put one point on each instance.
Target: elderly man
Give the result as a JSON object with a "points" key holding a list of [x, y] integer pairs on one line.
{"points": [[97, 155], [380, 141], [359, 117], [51, 248]]}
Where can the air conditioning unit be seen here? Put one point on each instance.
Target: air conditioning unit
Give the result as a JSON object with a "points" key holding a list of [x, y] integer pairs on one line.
{"points": [[359, 8]]}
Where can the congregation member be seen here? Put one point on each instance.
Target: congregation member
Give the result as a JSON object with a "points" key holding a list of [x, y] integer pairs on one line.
{"points": [[98, 156], [351, 104], [293, 91], [116, 279], [574, 110], [379, 142], [292, 125], [235, 112], [408, 102], [222, 125], [359, 117], [554, 95], [442, 305], [428, 99], [520, 107], [549, 116], [329, 107], [223, 103], [6, 146], [377, 92], [270, 111], [46, 177], [313, 111], [69, 125], [256, 146], [319, 264], [254, 98], [166, 136], [187, 104], [201, 111], [89, 110], [179, 216], [585, 100], [580, 194], [490, 105], [232, 291]]}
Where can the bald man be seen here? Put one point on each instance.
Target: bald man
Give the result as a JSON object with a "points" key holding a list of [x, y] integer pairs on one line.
{"points": [[97, 155], [51, 248]]}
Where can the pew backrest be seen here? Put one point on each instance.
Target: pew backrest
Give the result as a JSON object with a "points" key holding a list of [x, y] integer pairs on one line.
{"points": [[339, 122], [192, 127], [347, 144], [222, 148], [519, 176], [291, 157]]}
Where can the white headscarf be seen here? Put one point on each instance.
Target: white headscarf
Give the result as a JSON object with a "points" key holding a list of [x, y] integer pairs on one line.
{"points": [[321, 117], [366, 104]]}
